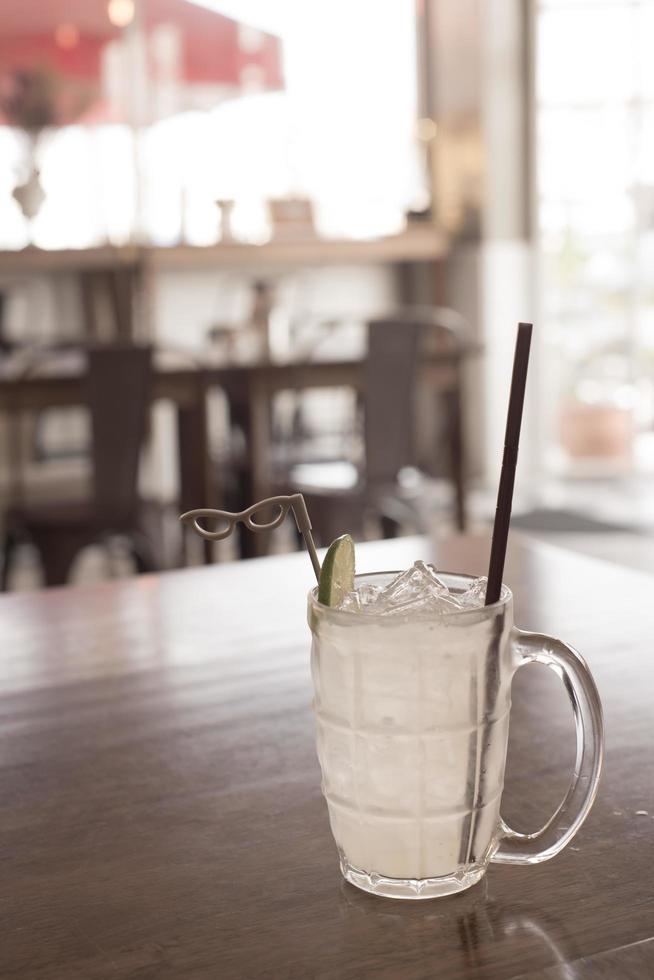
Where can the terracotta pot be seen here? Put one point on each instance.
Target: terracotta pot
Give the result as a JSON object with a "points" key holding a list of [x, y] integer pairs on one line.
{"points": [[596, 430]]}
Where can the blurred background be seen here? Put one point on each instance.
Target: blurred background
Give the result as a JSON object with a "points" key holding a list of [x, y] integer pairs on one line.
{"points": [[253, 246]]}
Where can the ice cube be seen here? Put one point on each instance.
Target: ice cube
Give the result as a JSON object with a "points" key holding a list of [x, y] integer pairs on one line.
{"points": [[351, 602], [429, 603], [364, 596], [368, 594], [417, 590], [475, 595], [420, 580]]}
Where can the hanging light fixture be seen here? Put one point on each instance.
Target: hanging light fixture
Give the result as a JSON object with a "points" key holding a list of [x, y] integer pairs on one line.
{"points": [[120, 12]]}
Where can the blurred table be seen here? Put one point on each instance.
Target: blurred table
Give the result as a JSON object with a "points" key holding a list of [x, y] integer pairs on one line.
{"points": [[250, 389], [58, 382], [161, 814]]}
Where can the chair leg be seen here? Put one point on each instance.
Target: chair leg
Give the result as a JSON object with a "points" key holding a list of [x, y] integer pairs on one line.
{"points": [[389, 526], [142, 553], [10, 543], [57, 556], [457, 455]]}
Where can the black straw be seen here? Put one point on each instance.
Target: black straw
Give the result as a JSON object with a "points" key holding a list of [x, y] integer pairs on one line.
{"points": [[509, 462]]}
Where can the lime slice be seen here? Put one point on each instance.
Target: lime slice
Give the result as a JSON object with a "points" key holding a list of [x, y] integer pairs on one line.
{"points": [[337, 572]]}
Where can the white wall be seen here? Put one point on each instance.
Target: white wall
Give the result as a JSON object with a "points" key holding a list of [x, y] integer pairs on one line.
{"points": [[187, 303]]}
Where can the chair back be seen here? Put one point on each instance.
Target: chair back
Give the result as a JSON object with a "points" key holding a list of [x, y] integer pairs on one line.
{"points": [[118, 383], [395, 344]]}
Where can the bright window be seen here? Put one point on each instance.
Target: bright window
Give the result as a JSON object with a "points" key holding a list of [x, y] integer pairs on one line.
{"points": [[595, 133], [341, 132]]}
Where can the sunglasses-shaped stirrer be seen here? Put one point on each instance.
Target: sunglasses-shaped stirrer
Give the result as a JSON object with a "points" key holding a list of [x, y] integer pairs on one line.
{"points": [[228, 521]]}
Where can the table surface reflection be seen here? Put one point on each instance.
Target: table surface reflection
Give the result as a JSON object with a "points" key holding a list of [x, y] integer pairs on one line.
{"points": [[161, 814]]}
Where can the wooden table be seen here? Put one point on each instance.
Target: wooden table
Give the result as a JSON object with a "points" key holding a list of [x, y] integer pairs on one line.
{"points": [[61, 384], [161, 815], [250, 389]]}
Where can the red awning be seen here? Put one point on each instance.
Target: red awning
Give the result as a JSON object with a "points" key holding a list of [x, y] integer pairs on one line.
{"points": [[68, 40]]}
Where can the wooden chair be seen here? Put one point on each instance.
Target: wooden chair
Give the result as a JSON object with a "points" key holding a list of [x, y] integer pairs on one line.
{"points": [[340, 495], [117, 383]]}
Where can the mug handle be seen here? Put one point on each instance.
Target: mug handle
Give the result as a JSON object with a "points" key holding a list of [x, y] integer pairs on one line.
{"points": [[516, 848]]}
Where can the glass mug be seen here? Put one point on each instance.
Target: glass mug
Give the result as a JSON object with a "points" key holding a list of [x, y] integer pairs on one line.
{"points": [[412, 720]]}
